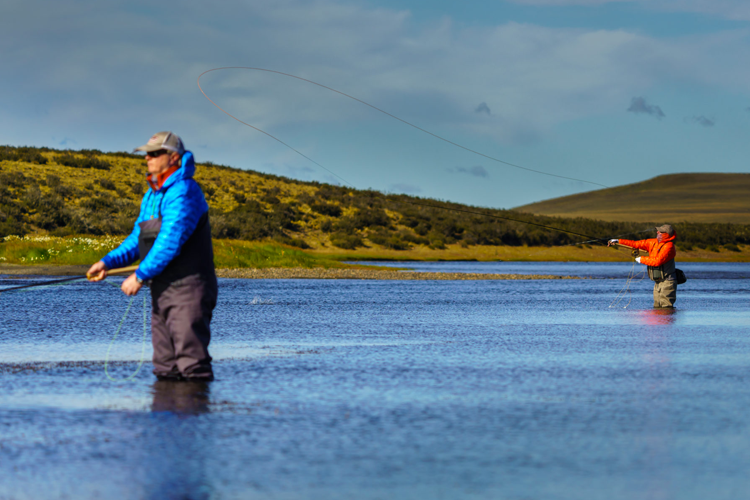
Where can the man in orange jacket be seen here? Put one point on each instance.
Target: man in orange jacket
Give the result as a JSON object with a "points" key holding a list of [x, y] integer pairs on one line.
{"points": [[660, 262]]}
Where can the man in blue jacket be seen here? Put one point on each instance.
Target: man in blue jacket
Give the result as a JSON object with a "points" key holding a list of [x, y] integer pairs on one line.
{"points": [[172, 238]]}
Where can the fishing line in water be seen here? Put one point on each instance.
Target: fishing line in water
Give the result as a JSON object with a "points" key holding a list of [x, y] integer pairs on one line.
{"points": [[65, 281], [117, 332], [625, 290]]}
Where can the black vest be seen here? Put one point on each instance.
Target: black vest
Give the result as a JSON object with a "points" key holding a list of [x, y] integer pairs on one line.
{"points": [[196, 255]]}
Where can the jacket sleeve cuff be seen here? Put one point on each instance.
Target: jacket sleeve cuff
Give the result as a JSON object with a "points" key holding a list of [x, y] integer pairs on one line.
{"points": [[108, 262], [141, 276]]}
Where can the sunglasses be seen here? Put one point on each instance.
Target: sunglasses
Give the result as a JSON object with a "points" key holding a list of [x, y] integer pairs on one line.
{"points": [[157, 153]]}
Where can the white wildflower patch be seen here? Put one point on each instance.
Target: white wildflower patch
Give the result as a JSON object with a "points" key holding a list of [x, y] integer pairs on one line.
{"points": [[43, 247]]}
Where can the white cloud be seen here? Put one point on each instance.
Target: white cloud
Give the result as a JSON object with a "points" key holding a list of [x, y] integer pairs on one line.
{"points": [[110, 63]]}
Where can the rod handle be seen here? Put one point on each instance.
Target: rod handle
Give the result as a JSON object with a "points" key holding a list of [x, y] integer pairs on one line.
{"points": [[121, 270]]}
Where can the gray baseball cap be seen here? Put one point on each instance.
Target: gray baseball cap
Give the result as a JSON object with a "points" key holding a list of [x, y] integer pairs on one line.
{"points": [[163, 140], [666, 228]]}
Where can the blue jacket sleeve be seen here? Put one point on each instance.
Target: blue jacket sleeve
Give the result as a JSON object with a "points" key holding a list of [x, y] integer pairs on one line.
{"points": [[127, 252], [181, 210]]}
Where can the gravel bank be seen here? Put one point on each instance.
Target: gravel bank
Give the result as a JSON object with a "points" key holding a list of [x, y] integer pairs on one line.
{"points": [[297, 273], [371, 274]]}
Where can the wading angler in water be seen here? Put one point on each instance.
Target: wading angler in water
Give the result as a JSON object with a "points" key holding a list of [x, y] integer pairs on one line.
{"points": [[660, 262], [172, 238]]}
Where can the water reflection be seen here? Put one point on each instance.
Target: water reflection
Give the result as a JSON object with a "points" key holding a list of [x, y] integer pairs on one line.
{"points": [[175, 458], [183, 398], [656, 317]]}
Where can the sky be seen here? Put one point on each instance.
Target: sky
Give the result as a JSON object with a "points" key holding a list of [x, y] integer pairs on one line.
{"points": [[607, 92]]}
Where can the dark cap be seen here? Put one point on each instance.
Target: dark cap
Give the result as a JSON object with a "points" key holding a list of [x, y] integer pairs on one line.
{"points": [[666, 228]]}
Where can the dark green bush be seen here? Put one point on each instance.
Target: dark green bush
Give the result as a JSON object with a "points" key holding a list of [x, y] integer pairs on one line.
{"points": [[208, 190], [14, 180], [10, 225], [99, 204], [346, 241], [107, 184], [394, 241], [293, 242], [27, 154], [53, 180], [69, 160], [271, 199], [368, 217], [327, 209]]}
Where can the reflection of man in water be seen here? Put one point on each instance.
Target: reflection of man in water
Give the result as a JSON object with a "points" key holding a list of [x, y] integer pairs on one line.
{"points": [[657, 317], [188, 398], [172, 238], [660, 262], [177, 442]]}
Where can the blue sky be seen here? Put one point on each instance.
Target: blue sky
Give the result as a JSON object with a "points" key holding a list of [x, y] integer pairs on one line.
{"points": [[611, 92]]}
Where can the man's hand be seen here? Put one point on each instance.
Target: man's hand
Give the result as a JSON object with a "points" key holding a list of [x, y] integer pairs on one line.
{"points": [[131, 286], [97, 272], [638, 260], [612, 242]]}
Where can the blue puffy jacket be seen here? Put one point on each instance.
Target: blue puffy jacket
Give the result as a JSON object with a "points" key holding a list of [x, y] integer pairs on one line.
{"points": [[182, 204]]}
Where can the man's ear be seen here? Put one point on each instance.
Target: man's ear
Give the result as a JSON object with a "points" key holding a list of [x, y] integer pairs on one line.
{"points": [[174, 159]]}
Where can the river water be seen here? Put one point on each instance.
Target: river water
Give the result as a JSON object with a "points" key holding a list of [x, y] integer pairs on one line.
{"points": [[549, 389]]}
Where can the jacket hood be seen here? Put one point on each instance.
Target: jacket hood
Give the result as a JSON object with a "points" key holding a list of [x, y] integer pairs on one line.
{"points": [[186, 171], [666, 238]]}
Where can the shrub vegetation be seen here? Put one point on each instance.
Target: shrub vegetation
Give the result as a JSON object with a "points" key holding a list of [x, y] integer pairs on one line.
{"points": [[93, 193]]}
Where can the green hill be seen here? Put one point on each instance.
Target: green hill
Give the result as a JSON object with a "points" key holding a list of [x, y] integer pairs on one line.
{"points": [[670, 198], [62, 193]]}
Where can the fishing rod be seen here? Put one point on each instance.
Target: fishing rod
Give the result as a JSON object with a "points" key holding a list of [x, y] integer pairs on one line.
{"points": [[597, 240], [122, 270]]}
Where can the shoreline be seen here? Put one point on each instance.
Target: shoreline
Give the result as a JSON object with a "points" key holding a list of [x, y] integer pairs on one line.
{"points": [[372, 274], [14, 270]]}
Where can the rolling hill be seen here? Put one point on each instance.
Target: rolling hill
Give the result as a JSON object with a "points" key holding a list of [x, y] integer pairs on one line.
{"points": [[699, 197], [88, 192]]}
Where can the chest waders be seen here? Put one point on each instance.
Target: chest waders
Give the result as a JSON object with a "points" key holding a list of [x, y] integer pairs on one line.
{"points": [[183, 297]]}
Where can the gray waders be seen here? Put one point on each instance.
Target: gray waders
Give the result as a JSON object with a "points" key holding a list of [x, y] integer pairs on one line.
{"points": [[183, 298], [665, 284]]}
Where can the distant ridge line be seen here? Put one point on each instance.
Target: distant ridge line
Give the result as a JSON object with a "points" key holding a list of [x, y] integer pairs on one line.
{"points": [[682, 197]]}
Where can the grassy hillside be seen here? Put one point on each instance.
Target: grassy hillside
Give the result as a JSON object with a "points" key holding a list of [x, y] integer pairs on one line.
{"points": [[64, 193], [669, 198]]}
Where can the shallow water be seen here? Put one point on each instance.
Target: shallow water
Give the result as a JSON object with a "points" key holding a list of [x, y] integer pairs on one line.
{"points": [[389, 389]]}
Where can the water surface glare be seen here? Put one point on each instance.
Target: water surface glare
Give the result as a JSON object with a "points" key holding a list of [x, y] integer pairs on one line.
{"points": [[389, 389]]}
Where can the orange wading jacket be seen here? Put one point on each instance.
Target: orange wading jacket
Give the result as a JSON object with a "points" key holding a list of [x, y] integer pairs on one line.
{"points": [[658, 253]]}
